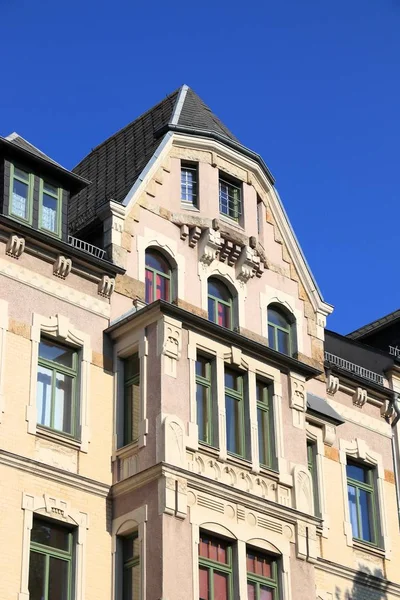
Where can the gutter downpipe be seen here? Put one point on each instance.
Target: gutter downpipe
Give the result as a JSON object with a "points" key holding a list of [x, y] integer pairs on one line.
{"points": [[395, 448]]}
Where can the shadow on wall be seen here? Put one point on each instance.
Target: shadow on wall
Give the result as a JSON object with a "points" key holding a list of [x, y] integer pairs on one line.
{"points": [[368, 585]]}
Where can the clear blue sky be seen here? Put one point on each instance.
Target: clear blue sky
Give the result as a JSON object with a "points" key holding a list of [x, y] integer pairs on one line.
{"points": [[313, 86]]}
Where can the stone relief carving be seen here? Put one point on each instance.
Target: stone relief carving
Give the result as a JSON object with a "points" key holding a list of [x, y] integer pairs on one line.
{"points": [[170, 343], [62, 267], [15, 246], [303, 489], [210, 246], [174, 433]]}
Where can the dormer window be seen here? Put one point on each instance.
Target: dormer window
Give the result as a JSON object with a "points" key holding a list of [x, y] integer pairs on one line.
{"points": [[230, 197], [49, 208], [21, 194]]}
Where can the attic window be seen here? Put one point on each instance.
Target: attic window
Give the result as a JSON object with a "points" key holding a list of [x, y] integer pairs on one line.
{"points": [[21, 194], [50, 203], [230, 197], [189, 184]]}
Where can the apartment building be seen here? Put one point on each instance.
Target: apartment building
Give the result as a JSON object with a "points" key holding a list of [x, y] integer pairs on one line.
{"points": [[176, 423]]}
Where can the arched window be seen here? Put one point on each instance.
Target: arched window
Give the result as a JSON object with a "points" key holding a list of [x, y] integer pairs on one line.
{"points": [[280, 330], [158, 277], [220, 303]]}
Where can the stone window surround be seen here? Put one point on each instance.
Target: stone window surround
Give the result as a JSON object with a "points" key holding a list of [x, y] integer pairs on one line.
{"points": [[168, 246], [122, 526], [128, 344], [58, 509], [59, 327], [226, 354], [315, 433], [280, 548], [275, 296], [3, 336], [358, 449]]}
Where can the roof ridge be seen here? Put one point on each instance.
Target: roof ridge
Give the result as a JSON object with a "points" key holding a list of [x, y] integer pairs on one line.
{"points": [[179, 105], [380, 322], [146, 112]]}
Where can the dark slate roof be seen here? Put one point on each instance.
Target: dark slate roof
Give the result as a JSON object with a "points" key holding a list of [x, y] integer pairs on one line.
{"points": [[19, 141], [320, 407], [374, 326], [114, 166]]}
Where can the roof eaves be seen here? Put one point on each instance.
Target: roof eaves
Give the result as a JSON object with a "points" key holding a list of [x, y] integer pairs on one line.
{"points": [[374, 325]]}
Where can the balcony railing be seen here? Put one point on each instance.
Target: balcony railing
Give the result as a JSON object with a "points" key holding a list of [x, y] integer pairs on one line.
{"points": [[353, 368], [86, 247]]}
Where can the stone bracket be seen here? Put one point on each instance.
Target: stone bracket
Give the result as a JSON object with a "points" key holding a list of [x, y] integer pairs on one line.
{"points": [[15, 246], [106, 286], [62, 267]]}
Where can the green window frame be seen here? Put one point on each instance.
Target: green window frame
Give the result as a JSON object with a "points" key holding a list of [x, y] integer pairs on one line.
{"points": [[235, 413], [312, 468], [131, 398], [57, 387], [262, 575], [51, 561], [49, 193], [280, 331], [220, 303], [266, 446], [131, 579], [215, 568], [362, 502], [158, 274], [23, 177], [204, 399], [230, 198]]}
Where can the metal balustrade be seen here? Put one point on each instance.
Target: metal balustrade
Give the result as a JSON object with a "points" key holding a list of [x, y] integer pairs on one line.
{"points": [[353, 368], [86, 247]]}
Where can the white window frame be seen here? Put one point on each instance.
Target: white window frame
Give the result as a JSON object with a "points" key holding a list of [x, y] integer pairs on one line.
{"points": [[50, 506], [123, 526], [359, 450], [60, 328]]}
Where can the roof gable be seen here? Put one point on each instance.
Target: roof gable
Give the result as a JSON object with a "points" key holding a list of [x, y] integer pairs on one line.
{"points": [[21, 142]]}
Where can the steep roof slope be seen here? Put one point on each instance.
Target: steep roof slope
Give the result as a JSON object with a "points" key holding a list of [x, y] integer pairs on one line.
{"points": [[19, 141], [114, 166]]}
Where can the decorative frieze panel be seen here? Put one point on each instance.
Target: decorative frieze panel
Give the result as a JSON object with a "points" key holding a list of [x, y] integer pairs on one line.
{"points": [[303, 490], [169, 335], [298, 400], [240, 479]]}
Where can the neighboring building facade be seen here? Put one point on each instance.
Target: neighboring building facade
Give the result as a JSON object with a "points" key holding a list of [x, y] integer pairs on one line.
{"points": [[173, 423]]}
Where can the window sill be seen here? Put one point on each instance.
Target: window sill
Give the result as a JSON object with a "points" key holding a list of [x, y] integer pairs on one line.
{"points": [[239, 461], [270, 471], [127, 450], [370, 548], [211, 450], [231, 222], [57, 437], [188, 206]]}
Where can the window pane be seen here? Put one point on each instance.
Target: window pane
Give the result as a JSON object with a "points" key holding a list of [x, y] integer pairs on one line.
{"points": [[50, 534], [357, 472], [131, 367], [266, 593], [219, 290], [366, 515], [213, 549], [202, 412], [63, 403], [50, 188], [58, 579], [130, 547], [188, 185], [251, 591], [154, 260], [233, 381], [220, 586], [224, 315], [232, 425], [49, 212], [43, 396], [271, 337], [149, 286], [262, 420], [56, 353], [132, 412], [162, 288], [283, 342], [204, 588], [277, 318], [37, 565], [211, 310], [21, 174], [202, 367], [353, 510], [20, 199]]}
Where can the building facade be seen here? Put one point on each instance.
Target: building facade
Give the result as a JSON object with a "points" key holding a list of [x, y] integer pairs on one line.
{"points": [[175, 421]]}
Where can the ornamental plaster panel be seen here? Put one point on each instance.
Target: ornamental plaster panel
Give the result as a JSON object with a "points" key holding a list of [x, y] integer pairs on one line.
{"points": [[55, 288], [169, 344]]}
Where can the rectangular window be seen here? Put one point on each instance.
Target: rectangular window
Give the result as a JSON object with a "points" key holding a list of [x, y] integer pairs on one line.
{"points": [[130, 567], [131, 398], [50, 208], [235, 413], [361, 496], [21, 194], [204, 401], [189, 183], [230, 198], [57, 387], [312, 468], [51, 561], [215, 569], [265, 422], [262, 576]]}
